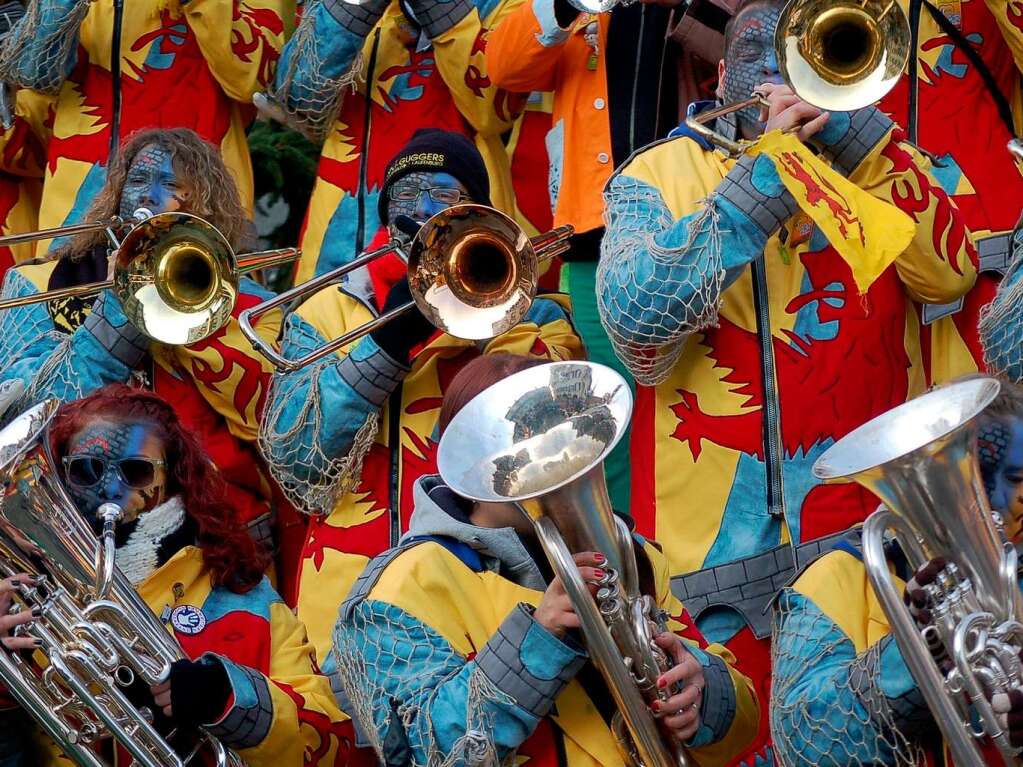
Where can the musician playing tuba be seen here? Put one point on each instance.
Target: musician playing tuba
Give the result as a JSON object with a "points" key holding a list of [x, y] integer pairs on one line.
{"points": [[726, 298], [347, 436], [461, 643], [251, 680], [68, 348], [842, 692]]}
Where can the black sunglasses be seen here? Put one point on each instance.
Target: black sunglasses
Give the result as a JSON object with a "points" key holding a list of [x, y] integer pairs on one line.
{"points": [[87, 470]]}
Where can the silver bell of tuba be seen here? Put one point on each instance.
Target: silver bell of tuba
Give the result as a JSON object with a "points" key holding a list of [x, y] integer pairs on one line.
{"points": [[538, 439], [920, 460], [97, 634]]}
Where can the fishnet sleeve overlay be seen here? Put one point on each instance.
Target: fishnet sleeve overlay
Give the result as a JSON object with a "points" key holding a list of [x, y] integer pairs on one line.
{"points": [[832, 706], [41, 50], [1001, 321], [421, 702], [49, 363], [320, 63], [321, 420], [660, 280]]}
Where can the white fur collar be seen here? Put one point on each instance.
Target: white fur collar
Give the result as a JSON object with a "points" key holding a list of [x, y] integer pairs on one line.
{"points": [[137, 558]]}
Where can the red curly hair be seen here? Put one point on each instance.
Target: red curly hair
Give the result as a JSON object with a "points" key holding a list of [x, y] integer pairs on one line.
{"points": [[234, 559]]}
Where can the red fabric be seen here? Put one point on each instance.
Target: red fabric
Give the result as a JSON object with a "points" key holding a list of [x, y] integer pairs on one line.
{"points": [[384, 272]]}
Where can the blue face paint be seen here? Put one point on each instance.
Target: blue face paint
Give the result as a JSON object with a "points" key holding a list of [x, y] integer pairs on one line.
{"points": [[422, 195], [151, 182], [1000, 449], [113, 442], [750, 61]]}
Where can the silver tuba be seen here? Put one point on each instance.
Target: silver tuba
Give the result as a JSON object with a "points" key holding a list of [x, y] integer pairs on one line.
{"points": [[97, 634], [920, 460], [538, 439]]}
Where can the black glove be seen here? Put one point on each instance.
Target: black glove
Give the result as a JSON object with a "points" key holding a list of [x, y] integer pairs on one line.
{"points": [[919, 603], [199, 692], [402, 334]]}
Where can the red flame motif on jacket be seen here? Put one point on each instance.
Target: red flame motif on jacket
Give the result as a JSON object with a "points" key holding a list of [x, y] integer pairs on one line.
{"points": [[259, 21], [819, 189]]}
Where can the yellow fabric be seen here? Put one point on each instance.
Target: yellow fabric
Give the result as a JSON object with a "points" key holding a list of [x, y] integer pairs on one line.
{"points": [[329, 568], [466, 608], [696, 446], [867, 233]]}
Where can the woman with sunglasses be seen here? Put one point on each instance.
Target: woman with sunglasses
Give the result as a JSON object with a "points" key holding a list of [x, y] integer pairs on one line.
{"points": [[251, 681]]}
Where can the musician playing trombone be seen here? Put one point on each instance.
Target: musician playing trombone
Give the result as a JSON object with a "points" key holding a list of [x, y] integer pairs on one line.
{"points": [[347, 436], [67, 348], [755, 344], [842, 693], [250, 676], [461, 645]]}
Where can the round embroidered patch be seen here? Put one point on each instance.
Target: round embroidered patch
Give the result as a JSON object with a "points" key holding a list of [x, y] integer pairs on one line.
{"points": [[188, 620]]}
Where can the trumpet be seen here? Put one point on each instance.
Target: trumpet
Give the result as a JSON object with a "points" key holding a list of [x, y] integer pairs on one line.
{"points": [[175, 275], [838, 56], [472, 271], [920, 460], [538, 439], [97, 635]]}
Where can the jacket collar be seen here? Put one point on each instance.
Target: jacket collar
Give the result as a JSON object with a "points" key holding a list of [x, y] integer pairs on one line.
{"points": [[438, 511]]}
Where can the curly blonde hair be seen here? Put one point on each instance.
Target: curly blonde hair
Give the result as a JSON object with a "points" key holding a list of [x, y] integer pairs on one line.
{"points": [[210, 191]]}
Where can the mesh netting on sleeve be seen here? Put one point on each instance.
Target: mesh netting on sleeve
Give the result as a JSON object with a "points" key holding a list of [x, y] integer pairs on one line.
{"points": [[305, 95], [652, 298], [311, 476], [36, 52], [392, 668], [826, 706], [1001, 321]]}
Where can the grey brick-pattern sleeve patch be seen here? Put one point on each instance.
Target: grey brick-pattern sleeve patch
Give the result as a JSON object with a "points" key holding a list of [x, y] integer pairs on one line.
{"points": [[501, 663], [357, 19], [438, 16], [767, 212], [866, 129], [717, 709], [246, 726], [123, 340], [374, 377]]}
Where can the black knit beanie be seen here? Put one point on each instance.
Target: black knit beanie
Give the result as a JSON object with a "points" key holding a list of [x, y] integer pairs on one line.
{"points": [[439, 151]]}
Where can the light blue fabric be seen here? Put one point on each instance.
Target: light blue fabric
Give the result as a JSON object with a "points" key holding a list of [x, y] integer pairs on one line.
{"points": [[550, 33], [39, 63], [817, 715], [68, 365], [668, 292], [411, 665], [244, 691], [304, 71]]}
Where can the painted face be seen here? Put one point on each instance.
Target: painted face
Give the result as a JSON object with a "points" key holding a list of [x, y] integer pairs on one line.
{"points": [[421, 195], [750, 61], [120, 463], [1000, 449], [151, 183]]}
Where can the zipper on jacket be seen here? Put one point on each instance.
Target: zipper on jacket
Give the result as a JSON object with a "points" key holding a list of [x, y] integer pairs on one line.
{"points": [[394, 448], [772, 412], [115, 81]]}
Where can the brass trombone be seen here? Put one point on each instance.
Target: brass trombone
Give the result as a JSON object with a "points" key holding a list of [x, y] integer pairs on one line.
{"points": [[472, 271], [175, 275], [839, 56]]}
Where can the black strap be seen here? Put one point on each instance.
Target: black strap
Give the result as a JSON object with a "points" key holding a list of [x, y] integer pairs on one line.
{"points": [[950, 29], [914, 72]]}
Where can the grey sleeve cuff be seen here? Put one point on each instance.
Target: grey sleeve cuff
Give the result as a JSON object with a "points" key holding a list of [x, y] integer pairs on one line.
{"points": [[110, 327], [501, 662], [248, 722], [357, 19], [865, 130], [438, 16], [374, 377], [717, 709], [767, 211]]}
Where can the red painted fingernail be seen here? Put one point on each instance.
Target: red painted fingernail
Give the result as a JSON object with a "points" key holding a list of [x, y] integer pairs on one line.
{"points": [[598, 573], [599, 557], [662, 682], [656, 705]]}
